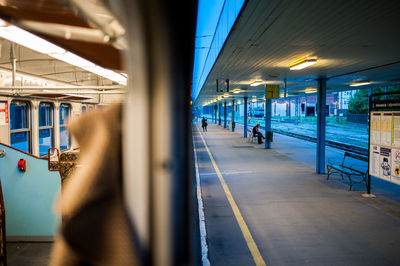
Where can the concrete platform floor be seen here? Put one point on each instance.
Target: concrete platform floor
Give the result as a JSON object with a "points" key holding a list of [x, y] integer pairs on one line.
{"points": [[28, 253], [296, 217]]}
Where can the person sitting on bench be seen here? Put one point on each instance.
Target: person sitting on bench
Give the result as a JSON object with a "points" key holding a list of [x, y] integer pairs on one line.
{"points": [[256, 132]]}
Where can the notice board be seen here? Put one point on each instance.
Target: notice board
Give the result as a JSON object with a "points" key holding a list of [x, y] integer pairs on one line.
{"points": [[384, 139]]}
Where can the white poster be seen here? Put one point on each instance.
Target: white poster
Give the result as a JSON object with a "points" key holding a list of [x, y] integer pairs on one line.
{"points": [[385, 163], [396, 165], [375, 128], [396, 129], [374, 160], [386, 129]]}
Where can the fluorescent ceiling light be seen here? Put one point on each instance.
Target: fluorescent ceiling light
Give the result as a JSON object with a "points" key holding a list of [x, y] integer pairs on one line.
{"points": [[310, 90], [256, 83], [33, 42], [303, 64], [236, 91], [361, 83]]}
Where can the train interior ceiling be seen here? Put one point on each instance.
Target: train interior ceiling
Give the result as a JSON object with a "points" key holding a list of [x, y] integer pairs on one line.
{"points": [[61, 59]]}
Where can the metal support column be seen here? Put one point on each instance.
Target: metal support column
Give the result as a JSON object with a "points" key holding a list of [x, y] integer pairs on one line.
{"points": [[233, 116], [224, 114], [215, 113], [245, 117], [268, 115], [321, 123], [219, 113]]}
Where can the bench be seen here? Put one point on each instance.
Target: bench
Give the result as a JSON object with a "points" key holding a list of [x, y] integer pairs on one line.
{"points": [[251, 137], [351, 170]]}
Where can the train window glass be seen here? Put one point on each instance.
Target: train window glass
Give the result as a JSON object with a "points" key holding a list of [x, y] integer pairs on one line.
{"points": [[64, 136], [83, 108], [20, 131], [45, 127]]}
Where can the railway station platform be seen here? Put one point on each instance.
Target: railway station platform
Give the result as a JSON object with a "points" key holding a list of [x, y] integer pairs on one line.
{"points": [[270, 207]]}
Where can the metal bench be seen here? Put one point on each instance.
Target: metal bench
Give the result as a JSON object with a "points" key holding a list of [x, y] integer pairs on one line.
{"points": [[251, 137], [351, 170]]}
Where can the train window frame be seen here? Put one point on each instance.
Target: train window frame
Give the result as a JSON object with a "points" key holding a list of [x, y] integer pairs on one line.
{"points": [[63, 126], [28, 124], [51, 126]]}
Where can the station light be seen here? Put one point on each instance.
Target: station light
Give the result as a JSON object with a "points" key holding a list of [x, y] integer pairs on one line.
{"points": [[361, 83], [310, 90], [256, 83], [33, 42], [303, 64], [236, 91]]}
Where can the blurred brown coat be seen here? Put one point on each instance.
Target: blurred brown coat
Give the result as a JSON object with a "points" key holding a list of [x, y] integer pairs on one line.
{"points": [[95, 228]]}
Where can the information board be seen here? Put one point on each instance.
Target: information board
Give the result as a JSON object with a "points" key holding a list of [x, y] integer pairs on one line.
{"points": [[384, 150]]}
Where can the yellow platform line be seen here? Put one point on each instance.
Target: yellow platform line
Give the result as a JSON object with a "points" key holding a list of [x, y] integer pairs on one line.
{"points": [[255, 252]]}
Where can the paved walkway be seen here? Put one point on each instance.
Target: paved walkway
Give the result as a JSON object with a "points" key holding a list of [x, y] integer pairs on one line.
{"points": [[294, 216]]}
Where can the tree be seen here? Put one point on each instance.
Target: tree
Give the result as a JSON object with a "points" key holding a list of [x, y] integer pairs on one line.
{"points": [[358, 104]]}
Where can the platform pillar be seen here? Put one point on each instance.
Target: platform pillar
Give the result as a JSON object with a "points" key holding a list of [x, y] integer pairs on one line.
{"points": [[245, 118], [224, 114], [215, 113], [268, 115], [233, 116], [321, 123], [219, 113]]}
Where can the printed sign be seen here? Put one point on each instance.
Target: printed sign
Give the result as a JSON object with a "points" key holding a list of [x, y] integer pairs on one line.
{"points": [[386, 104], [272, 91], [374, 161], [3, 113], [396, 165], [385, 163]]}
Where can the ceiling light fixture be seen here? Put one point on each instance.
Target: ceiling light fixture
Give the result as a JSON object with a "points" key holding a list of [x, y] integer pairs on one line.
{"points": [[360, 83], [256, 83], [33, 42], [236, 91], [303, 64], [310, 90]]}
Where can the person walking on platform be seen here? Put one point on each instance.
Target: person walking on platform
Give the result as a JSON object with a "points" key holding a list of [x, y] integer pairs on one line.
{"points": [[256, 132], [204, 124]]}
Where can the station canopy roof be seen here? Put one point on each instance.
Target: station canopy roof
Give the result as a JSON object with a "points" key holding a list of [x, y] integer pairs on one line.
{"points": [[352, 41]]}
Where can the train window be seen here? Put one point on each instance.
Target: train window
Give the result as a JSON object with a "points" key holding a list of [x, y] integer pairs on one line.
{"points": [[20, 125], [45, 127], [83, 109], [64, 136]]}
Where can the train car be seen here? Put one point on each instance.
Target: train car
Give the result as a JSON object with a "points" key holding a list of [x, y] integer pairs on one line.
{"points": [[35, 124]]}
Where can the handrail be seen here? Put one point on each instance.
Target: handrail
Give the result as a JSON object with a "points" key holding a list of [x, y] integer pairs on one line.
{"points": [[49, 156]]}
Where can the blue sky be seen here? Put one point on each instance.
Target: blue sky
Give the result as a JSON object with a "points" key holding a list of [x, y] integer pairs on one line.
{"points": [[207, 19]]}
